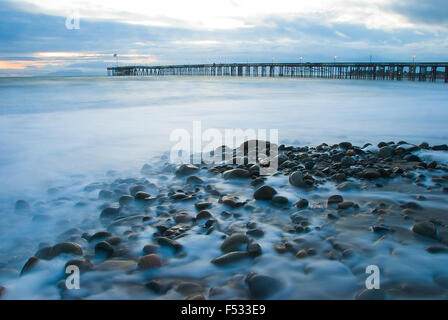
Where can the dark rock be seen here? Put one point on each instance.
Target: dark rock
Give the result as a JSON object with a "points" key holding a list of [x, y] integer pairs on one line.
{"points": [[150, 248], [412, 158], [262, 287], [256, 182], [163, 241], [425, 228], [203, 205], [437, 249], [104, 248], [67, 248], [296, 179], [203, 214], [194, 180], [442, 147], [233, 242], [125, 200], [158, 286], [142, 195], [264, 193], [254, 249], [186, 169], [114, 240], [345, 145], [110, 213], [255, 232], [302, 203], [149, 261], [100, 235], [280, 200], [371, 173], [29, 265], [182, 217], [231, 201], [346, 205], [335, 199], [236, 173], [82, 264], [385, 152], [348, 185], [189, 288], [134, 189], [230, 258]]}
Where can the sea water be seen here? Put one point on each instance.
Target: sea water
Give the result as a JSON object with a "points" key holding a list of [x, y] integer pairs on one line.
{"points": [[69, 131]]}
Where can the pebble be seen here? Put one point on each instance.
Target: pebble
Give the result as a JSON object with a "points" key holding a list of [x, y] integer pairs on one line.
{"points": [[149, 261], [254, 249], [203, 214], [230, 257], [203, 205], [280, 200], [302, 203], [29, 265], [264, 193], [150, 248], [385, 152], [186, 169], [425, 228], [234, 242], [235, 174], [296, 179], [262, 286], [164, 241], [182, 217], [335, 199], [104, 248]]}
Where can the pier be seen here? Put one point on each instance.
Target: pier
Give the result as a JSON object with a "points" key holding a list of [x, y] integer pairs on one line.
{"points": [[418, 71]]}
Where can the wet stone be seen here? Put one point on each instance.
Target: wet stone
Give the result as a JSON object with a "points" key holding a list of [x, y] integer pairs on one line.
{"points": [[234, 242], [149, 261], [264, 193]]}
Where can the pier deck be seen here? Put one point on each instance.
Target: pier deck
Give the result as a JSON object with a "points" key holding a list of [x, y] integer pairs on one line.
{"points": [[421, 71]]}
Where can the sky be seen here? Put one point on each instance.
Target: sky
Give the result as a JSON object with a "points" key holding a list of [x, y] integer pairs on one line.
{"points": [[80, 37]]}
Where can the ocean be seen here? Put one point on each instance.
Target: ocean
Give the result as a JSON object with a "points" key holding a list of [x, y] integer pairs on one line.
{"points": [[66, 132]]}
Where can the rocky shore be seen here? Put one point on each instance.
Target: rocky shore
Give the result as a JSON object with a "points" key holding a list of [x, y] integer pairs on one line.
{"points": [[223, 231]]}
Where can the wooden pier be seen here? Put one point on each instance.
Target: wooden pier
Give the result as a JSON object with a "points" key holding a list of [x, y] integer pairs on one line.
{"points": [[421, 71]]}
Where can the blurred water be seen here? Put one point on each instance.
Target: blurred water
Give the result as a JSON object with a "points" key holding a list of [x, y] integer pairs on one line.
{"points": [[71, 131]]}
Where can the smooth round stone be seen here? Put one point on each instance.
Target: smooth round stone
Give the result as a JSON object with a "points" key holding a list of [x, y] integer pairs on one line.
{"points": [[203, 205], [142, 195], [67, 248], [149, 261], [385, 151], [234, 242], [296, 179], [235, 174], [262, 287], [302, 203], [280, 200], [203, 214], [335, 199], [264, 193], [254, 249], [426, 229], [30, 264], [182, 217], [230, 257], [104, 248], [134, 189], [186, 169], [150, 248], [125, 200]]}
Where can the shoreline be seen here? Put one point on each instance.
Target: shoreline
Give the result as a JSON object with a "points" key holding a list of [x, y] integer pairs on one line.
{"points": [[221, 231]]}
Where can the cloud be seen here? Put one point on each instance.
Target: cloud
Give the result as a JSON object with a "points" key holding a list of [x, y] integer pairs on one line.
{"points": [[35, 41], [430, 12]]}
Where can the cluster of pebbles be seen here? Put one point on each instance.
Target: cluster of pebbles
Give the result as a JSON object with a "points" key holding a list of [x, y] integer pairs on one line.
{"points": [[331, 205]]}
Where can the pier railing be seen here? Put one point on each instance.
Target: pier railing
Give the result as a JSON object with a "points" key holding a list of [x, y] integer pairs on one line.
{"points": [[421, 71]]}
